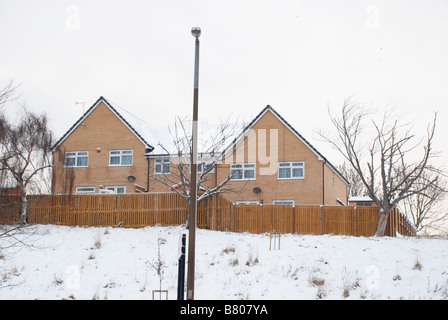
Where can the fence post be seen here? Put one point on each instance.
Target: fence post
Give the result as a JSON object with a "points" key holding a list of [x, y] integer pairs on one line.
{"points": [[116, 209], [233, 218], [293, 219], [320, 221], [355, 222]]}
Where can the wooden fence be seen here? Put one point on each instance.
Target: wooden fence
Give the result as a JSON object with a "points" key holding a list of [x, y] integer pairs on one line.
{"points": [[217, 213]]}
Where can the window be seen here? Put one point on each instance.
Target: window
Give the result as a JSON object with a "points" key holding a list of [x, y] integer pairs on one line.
{"points": [[204, 165], [363, 204], [291, 170], [284, 202], [76, 159], [208, 167], [85, 190], [242, 171], [120, 157], [117, 189], [248, 202], [162, 165]]}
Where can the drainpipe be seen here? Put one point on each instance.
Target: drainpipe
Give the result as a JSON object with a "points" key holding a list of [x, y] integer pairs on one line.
{"points": [[147, 152], [323, 181], [147, 176]]}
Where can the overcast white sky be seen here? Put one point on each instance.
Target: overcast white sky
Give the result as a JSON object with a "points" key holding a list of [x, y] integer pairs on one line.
{"points": [[297, 56]]}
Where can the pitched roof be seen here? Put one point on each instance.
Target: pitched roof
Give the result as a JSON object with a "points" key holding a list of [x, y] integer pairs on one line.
{"points": [[294, 131], [138, 127]]}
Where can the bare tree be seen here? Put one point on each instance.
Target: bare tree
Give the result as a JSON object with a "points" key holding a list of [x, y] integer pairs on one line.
{"points": [[425, 209], [176, 175], [26, 153], [356, 187], [382, 158], [6, 95]]}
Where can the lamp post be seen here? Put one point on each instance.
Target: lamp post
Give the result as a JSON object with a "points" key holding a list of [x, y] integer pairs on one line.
{"points": [[196, 32]]}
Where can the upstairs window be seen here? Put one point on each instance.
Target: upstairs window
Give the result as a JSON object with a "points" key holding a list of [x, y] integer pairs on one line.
{"points": [[242, 171], [76, 159], [283, 202], [291, 170], [162, 165], [85, 190], [120, 157], [206, 167]]}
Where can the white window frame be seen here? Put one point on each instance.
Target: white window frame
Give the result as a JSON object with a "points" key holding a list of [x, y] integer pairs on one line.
{"points": [[85, 192], [76, 155], [244, 167], [290, 165], [249, 202], [122, 153], [114, 189], [283, 202], [203, 165], [161, 162]]}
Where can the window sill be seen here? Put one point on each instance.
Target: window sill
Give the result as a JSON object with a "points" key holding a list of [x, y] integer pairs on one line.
{"points": [[120, 165], [301, 178]]}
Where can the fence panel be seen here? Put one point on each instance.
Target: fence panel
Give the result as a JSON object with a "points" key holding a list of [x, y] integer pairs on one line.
{"points": [[338, 220], [307, 219], [277, 218], [247, 218], [9, 209], [366, 221]]}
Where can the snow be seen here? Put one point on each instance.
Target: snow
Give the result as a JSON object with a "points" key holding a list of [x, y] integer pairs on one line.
{"points": [[57, 262]]}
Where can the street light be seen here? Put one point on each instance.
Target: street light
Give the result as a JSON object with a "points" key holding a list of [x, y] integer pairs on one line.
{"points": [[196, 32]]}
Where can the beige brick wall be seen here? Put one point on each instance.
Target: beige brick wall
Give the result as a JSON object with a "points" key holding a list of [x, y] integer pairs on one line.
{"points": [[102, 129], [289, 148]]}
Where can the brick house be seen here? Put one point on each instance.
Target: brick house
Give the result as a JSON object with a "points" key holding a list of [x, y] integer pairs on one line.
{"points": [[9, 189], [269, 162], [361, 201], [284, 167], [104, 150]]}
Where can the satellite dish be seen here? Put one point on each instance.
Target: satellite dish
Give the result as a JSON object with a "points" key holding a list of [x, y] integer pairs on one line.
{"points": [[131, 178], [256, 190]]}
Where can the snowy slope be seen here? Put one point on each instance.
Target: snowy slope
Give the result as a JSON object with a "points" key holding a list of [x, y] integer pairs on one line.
{"points": [[105, 263]]}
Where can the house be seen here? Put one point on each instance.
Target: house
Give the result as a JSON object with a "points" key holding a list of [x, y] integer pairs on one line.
{"points": [[269, 162], [280, 166], [104, 150], [9, 189]]}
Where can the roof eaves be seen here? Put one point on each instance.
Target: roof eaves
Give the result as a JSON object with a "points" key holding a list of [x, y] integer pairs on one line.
{"points": [[128, 124], [101, 99], [320, 155], [67, 133], [307, 143]]}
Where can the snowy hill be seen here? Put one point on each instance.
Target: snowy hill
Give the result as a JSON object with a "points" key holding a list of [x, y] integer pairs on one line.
{"points": [[56, 262]]}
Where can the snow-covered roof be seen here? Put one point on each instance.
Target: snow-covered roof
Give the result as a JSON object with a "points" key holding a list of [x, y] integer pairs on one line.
{"points": [[8, 186], [359, 198], [137, 126]]}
